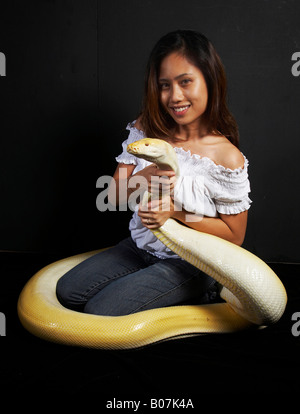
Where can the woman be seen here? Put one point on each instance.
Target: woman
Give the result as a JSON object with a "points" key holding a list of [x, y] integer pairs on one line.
{"points": [[184, 104]]}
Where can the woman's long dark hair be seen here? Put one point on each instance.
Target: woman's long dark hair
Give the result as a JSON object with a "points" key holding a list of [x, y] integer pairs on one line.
{"points": [[195, 47]]}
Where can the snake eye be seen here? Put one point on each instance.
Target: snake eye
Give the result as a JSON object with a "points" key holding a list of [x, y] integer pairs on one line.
{"points": [[146, 145]]}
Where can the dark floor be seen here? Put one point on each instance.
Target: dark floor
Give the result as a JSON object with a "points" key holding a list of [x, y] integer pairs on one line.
{"points": [[262, 362]]}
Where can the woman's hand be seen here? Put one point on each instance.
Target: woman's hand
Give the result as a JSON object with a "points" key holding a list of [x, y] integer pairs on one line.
{"points": [[155, 213], [161, 185], [153, 180], [158, 181]]}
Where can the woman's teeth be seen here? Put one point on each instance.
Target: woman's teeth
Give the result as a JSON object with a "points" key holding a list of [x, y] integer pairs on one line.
{"points": [[183, 108]]}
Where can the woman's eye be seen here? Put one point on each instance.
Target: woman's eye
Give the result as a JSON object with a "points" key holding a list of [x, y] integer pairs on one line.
{"points": [[185, 81], [164, 86]]}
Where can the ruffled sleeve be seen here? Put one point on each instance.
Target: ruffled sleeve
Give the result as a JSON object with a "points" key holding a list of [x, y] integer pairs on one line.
{"points": [[231, 189], [134, 135]]}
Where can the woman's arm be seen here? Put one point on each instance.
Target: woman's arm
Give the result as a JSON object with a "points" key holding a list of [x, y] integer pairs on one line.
{"points": [[120, 180], [229, 227]]}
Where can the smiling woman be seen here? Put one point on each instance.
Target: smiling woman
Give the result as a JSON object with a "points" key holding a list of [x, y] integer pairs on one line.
{"points": [[200, 57], [185, 105]]}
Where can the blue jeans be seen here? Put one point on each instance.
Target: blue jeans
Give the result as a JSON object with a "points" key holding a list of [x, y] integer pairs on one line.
{"points": [[126, 279]]}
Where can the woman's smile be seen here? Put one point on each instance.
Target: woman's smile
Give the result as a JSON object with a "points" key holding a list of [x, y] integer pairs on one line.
{"points": [[180, 110]]}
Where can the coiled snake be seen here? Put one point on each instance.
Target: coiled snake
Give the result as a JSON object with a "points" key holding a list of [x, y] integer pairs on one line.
{"points": [[253, 294]]}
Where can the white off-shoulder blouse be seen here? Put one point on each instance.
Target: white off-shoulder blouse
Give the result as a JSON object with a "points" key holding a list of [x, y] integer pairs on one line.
{"points": [[203, 188]]}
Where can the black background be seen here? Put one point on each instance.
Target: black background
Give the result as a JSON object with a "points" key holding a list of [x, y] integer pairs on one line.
{"points": [[74, 79]]}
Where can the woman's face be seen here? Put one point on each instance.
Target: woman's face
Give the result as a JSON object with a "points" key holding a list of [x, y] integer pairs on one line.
{"points": [[183, 90]]}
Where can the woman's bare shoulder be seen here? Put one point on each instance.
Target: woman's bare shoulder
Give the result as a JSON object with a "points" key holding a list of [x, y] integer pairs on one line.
{"points": [[230, 156], [227, 154]]}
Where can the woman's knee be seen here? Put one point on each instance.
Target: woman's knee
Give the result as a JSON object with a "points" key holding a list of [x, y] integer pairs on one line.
{"points": [[63, 291], [66, 294]]}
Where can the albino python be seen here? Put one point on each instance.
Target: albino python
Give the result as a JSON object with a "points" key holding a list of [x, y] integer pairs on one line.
{"points": [[253, 294]]}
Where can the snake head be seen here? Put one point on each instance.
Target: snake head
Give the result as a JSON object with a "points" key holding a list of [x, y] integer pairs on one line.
{"points": [[148, 148], [156, 151]]}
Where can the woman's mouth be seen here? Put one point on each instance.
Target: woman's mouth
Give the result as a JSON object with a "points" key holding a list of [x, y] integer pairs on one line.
{"points": [[180, 110]]}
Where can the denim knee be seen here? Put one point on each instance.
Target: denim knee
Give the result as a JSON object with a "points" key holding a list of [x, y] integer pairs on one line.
{"points": [[63, 292], [66, 295]]}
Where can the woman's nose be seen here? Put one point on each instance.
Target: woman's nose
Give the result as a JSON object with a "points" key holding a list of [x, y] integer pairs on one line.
{"points": [[176, 94]]}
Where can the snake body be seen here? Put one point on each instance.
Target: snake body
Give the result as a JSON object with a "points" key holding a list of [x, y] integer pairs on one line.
{"points": [[253, 294]]}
